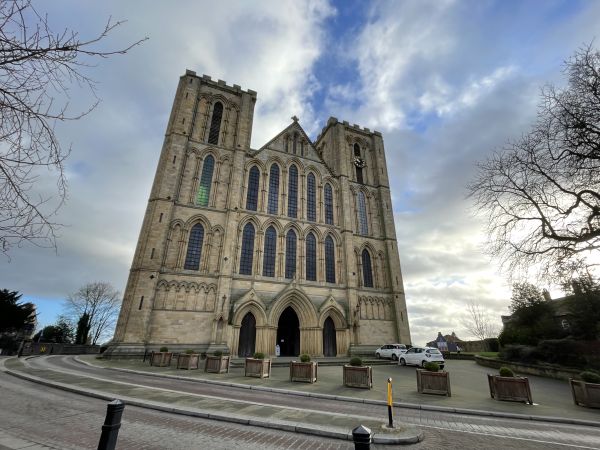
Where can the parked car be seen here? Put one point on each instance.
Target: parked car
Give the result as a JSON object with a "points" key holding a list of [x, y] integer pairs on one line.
{"points": [[418, 356], [390, 351]]}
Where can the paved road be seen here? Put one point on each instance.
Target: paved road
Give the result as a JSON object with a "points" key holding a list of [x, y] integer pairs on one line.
{"points": [[80, 419]]}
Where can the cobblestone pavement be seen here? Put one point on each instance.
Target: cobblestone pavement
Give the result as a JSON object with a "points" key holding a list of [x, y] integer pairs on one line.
{"points": [[565, 434], [48, 418]]}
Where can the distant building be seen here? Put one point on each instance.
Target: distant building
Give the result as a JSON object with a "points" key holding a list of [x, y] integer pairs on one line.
{"points": [[560, 305], [448, 343]]}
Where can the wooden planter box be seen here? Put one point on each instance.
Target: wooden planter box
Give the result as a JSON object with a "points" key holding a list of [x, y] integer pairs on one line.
{"points": [[358, 376], [217, 364], [303, 371], [512, 389], [433, 382], [161, 359], [259, 368], [585, 394], [188, 361]]}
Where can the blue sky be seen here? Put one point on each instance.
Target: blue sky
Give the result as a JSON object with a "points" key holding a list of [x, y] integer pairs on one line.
{"points": [[446, 82]]}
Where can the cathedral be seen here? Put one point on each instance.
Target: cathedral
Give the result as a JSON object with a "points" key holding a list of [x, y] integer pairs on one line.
{"points": [[291, 246]]}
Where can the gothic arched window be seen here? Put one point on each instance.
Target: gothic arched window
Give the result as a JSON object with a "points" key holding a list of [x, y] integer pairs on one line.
{"points": [[293, 191], [363, 225], [205, 181], [328, 204], [215, 124], [194, 250], [273, 189], [329, 260], [252, 196], [311, 198], [270, 252], [366, 269], [357, 150], [247, 254], [290, 254], [311, 257]]}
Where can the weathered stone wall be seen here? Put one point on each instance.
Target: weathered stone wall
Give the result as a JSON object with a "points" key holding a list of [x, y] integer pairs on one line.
{"points": [[165, 303]]}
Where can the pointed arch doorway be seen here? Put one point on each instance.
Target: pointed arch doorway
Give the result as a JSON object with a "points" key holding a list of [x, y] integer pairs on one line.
{"points": [[247, 343], [288, 333], [329, 339]]}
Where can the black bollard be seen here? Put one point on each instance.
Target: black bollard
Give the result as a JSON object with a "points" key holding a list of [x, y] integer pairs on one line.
{"points": [[112, 423], [362, 438]]}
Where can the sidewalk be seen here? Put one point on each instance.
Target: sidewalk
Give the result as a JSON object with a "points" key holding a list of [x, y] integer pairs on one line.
{"points": [[470, 392], [283, 418]]}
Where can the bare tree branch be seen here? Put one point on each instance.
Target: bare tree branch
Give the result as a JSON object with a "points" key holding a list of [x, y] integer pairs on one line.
{"points": [[541, 194], [37, 68], [478, 322], [101, 302]]}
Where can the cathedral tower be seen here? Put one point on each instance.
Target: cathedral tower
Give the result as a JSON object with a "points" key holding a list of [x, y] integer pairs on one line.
{"points": [[292, 244]]}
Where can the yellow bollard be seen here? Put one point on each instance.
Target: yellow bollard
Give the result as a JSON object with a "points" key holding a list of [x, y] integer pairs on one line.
{"points": [[390, 403]]}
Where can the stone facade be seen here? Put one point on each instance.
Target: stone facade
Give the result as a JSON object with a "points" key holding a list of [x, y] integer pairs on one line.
{"points": [[241, 249]]}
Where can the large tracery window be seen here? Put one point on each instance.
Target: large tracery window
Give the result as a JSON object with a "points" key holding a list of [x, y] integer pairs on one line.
{"points": [[270, 252], [311, 257], [205, 181], [311, 198], [194, 250], [366, 269], [253, 182], [329, 260], [273, 189], [290, 254], [363, 226], [215, 124], [293, 192], [328, 204], [247, 254]]}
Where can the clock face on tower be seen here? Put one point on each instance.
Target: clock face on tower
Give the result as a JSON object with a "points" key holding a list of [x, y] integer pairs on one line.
{"points": [[359, 162]]}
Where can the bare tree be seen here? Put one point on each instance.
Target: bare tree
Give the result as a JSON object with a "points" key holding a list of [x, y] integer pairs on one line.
{"points": [[37, 69], [541, 194], [479, 322], [101, 302]]}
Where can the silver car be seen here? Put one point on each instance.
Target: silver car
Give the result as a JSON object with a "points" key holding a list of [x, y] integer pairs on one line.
{"points": [[392, 351], [418, 356]]}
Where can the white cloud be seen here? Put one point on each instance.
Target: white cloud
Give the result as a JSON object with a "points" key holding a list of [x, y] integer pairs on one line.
{"points": [[445, 81]]}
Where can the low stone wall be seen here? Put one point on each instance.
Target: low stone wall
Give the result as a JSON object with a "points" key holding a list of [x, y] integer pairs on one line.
{"points": [[50, 348], [528, 369]]}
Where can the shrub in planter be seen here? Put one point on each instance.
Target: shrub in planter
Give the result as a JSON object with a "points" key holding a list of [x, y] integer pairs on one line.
{"points": [[357, 375], [217, 363], [433, 381], [431, 366], [586, 391], [509, 387], [258, 366], [305, 370], [356, 362], [188, 360], [161, 358], [590, 377]]}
